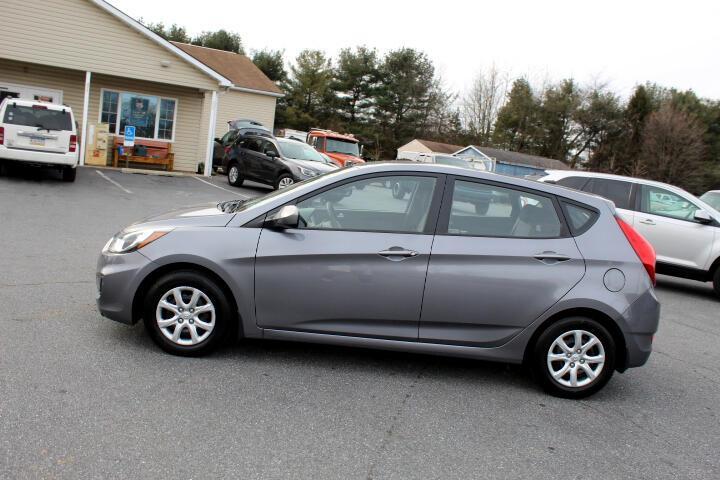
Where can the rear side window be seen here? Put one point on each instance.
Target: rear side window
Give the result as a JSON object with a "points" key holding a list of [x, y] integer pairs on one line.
{"points": [[38, 116], [572, 182], [615, 190], [484, 210], [580, 219]]}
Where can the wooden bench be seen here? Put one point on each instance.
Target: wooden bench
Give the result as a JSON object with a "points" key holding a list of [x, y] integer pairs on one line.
{"points": [[156, 153]]}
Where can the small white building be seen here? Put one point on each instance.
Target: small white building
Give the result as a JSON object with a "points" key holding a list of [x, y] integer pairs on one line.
{"points": [[412, 150]]}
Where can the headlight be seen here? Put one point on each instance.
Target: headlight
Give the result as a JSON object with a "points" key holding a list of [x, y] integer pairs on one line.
{"points": [[129, 241], [307, 172]]}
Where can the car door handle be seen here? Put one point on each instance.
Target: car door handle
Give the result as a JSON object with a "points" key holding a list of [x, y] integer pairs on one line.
{"points": [[398, 252], [648, 221], [551, 257]]}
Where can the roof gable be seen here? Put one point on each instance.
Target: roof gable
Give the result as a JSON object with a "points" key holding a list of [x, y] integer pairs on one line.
{"points": [[237, 68]]}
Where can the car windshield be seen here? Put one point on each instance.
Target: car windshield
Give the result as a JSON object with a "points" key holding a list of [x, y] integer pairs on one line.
{"points": [[38, 116], [448, 160], [712, 199], [335, 145], [299, 151]]}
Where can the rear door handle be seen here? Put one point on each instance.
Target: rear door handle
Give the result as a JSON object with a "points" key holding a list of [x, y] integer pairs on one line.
{"points": [[398, 252], [551, 257], [648, 221]]}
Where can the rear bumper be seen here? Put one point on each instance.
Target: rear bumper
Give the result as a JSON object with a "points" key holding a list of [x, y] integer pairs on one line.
{"points": [[118, 278], [643, 318], [38, 157]]}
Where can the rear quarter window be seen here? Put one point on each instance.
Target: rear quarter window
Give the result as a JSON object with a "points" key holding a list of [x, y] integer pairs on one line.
{"points": [[579, 219], [573, 182]]}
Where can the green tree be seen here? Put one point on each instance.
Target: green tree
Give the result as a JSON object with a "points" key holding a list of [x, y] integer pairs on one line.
{"points": [[221, 40], [355, 79], [406, 89], [310, 99], [173, 33], [516, 126], [271, 63], [556, 120]]}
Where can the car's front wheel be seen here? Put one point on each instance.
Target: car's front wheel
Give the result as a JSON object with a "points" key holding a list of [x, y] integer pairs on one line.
{"points": [[283, 181], [716, 281], [186, 313], [574, 357], [234, 177]]}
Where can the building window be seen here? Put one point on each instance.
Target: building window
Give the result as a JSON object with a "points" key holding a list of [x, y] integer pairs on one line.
{"points": [[108, 112], [166, 120], [153, 117]]}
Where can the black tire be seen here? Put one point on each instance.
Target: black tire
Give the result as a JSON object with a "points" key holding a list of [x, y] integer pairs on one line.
{"points": [[397, 191], [224, 317], [539, 358], [69, 174], [716, 281], [233, 179], [481, 208], [3, 169], [280, 179]]}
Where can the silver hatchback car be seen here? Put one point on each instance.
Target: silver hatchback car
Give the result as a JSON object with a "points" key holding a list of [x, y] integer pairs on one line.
{"points": [[544, 276]]}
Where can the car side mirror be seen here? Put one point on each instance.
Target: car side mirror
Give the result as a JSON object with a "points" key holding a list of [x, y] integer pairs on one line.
{"points": [[287, 217], [703, 217], [272, 153]]}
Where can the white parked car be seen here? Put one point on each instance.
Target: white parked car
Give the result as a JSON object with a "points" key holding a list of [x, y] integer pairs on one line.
{"points": [[684, 230], [712, 198], [39, 133]]}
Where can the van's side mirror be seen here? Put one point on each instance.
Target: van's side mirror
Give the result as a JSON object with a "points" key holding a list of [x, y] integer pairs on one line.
{"points": [[702, 216], [287, 217]]}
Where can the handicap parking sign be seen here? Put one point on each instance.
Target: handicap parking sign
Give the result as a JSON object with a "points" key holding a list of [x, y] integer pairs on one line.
{"points": [[129, 136]]}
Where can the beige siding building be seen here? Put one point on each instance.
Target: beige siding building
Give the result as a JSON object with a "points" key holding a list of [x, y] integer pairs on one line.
{"points": [[114, 72]]}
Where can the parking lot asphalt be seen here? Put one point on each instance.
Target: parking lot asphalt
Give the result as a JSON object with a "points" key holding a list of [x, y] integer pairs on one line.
{"points": [[84, 397]]}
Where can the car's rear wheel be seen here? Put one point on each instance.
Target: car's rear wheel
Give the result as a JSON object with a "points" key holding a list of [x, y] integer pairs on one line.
{"points": [[69, 174], [186, 313], [716, 281], [234, 177], [574, 357], [283, 181]]}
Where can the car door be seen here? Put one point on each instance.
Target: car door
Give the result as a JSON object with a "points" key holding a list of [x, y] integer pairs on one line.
{"points": [[667, 220], [269, 166], [493, 272], [356, 264], [252, 157]]}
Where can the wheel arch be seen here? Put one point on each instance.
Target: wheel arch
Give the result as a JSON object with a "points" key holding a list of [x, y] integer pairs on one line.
{"points": [[601, 317], [152, 277]]}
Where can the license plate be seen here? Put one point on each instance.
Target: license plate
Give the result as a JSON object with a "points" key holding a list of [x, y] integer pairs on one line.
{"points": [[40, 142]]}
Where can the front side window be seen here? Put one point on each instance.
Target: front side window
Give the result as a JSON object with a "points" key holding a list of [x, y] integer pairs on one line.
{"points": [[379, 204], [489, 211], [658, 201], [268, 148], [615, 190], [153, 117]]}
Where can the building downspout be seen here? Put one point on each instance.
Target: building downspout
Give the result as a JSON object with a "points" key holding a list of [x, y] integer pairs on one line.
{"points": [[86, 107], [211, 134]]}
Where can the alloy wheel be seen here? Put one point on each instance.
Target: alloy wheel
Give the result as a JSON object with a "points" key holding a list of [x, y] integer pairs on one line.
{"points": [[576, 358], [285, 182], [233, 174], [185, 315]]}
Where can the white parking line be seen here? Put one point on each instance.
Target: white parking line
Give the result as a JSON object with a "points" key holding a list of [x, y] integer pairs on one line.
{"points": [[221, 188], [112, 181]]}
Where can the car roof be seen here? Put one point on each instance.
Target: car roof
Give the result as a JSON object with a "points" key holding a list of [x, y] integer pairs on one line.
{"points": [[31, 103], [559, 174]]}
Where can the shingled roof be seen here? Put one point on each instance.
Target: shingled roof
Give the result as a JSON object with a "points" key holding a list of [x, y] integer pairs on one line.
{"points": [[237, 68], [438, 147], [517, 158]]}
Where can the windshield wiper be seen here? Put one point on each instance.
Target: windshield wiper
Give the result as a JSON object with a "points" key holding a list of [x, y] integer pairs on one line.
{"points": [[230, 206], [40, 126]]}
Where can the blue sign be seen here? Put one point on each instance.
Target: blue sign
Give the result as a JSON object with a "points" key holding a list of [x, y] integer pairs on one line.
{"points": [[129, 136]]}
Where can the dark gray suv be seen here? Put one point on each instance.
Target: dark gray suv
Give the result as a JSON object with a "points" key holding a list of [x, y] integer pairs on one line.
{"points": [[545, 276], [277, 162]]}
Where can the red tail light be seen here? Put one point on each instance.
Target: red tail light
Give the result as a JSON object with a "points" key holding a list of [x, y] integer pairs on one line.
{"points": [[2, 135], [73, 143], [642, 247]]}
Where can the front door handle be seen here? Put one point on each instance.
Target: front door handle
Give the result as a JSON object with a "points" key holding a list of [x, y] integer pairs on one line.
{"points": [[398, 252], [551, 257], [648, 221]]}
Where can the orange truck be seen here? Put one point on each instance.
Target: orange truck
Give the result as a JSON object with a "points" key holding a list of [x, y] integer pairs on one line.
{"points": [[343, 149]]}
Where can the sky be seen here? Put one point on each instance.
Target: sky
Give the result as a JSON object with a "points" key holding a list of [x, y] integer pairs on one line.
{"points": [[620, 43]]}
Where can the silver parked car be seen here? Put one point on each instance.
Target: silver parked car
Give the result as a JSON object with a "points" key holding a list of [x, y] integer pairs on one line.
{"points": [[684, 230], [545, 276]]}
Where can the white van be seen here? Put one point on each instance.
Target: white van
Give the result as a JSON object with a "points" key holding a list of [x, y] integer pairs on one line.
{"points": [[39, 133]]}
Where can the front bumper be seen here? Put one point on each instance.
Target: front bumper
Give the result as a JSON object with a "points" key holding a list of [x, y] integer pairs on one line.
{"points": [[118, 278], [34, 157]]}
